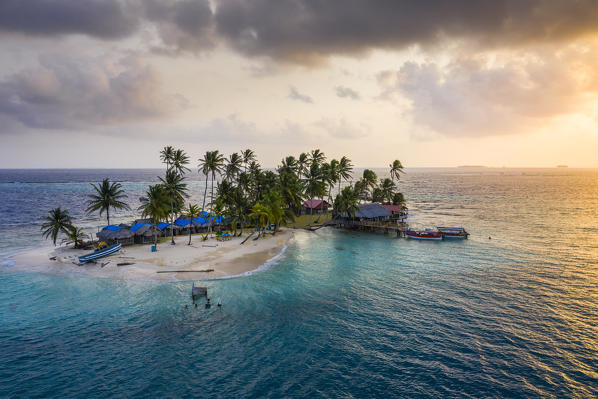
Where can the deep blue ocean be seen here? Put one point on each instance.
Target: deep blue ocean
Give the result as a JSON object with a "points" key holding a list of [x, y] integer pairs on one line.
{"points": [[341, 314]]}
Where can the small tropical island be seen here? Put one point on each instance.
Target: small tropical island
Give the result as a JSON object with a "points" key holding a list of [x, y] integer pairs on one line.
{"points": [[246, 217]]}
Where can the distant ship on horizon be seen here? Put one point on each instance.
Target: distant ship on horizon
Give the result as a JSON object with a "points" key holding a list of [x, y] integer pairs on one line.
{"points": [[471, 166], [562, 166]]}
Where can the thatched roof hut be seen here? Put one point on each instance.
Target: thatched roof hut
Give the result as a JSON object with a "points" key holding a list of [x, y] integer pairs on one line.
{"points": [[116, 234], [145, 232], [372, 211]]}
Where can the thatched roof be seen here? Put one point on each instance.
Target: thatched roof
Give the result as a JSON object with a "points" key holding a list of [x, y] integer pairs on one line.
{"points": [[120, 234], [372, 211]]}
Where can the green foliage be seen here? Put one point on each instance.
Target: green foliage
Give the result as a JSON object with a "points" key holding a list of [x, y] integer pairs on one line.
{"points": [[58, 221], [76, 236], [107, 195], [155, 204]]}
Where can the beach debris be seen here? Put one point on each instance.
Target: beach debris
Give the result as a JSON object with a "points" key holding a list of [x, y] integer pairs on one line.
{"points": [[210, 246], [125, 263], [219, 302], [104, 264], [53, 258], [340, 248]]}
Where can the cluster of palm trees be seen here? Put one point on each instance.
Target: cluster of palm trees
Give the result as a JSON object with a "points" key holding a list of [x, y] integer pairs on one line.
{"points": [[59, 221], [244, 192]]}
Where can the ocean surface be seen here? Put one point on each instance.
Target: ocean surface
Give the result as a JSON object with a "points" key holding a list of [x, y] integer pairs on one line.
{"points": [[512, 312]]}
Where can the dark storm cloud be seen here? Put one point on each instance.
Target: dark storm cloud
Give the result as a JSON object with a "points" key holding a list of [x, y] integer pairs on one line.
{"points": [[182, 25], [106, 19], [67, 94], [307, 30]]}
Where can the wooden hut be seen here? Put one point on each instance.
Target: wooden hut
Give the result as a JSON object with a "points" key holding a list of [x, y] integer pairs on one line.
{"points": [[317, 205], [372, 211], [397, 212], [145, 232], [115, 234]]}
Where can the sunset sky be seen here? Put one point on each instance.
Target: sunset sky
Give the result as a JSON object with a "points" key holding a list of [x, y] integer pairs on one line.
{"points": [[108, 83]]}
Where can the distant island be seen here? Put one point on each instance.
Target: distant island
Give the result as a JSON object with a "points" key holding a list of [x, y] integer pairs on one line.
{"points": [[471, 166], [562, 166]]}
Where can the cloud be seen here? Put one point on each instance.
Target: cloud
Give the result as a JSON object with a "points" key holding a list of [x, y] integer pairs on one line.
{"points": [[184, 25], [104, 19], [480, 95], [63, 93], [308, 31], [342, 129], [295, 95], [347, 92]]}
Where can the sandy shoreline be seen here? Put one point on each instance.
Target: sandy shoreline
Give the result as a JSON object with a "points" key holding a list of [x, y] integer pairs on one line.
{"points": [[226, 258]]}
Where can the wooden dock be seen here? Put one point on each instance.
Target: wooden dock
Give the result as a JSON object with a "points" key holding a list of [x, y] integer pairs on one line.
{"points": [[198, 291], [387, 226]]}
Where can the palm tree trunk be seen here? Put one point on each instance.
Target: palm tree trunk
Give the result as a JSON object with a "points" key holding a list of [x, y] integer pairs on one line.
{"points": [[311, 210], [205, 192], [190, 232], [108, 214], [171, 224], [212, 193]]}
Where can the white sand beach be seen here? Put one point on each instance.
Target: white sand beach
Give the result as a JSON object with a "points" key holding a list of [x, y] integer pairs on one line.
{"points": [[226, 258]]}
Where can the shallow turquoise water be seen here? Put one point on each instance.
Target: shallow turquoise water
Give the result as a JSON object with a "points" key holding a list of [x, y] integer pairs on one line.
{"points": [[343, 314]]}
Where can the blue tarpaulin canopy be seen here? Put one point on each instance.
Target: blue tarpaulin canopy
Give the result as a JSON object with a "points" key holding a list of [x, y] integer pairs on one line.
{"points": [[163, 225], [137, 226], [182, 222], [112, 227], [200, 221], [204, 214]]}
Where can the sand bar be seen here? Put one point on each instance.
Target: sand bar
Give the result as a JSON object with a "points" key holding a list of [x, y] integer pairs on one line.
{"points": [[226, 258]]}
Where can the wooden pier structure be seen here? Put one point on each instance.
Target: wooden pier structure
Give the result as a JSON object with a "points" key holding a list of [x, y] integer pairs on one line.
{"points": [[386, 226]]}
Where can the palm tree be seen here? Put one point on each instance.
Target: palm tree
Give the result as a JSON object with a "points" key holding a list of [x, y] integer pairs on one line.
{"points": [[398, 199], [107, 195], [193, 212], [302, 163], [344, 171], [233, 166], [176, 191], [314, 187], [261, 214], [248, 156], [387, 188], [203, 168], [290, 190], [346, 202], [57, 221], [75, 235], [331, 176], [288, 165], [370, 181], [179, 161], [396, 168], [155, 204], [166, 155], [215, 165], [317, 157]]}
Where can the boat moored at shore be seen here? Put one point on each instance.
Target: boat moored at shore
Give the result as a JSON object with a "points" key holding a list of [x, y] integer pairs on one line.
{"points": [[100, 253], [453, 232], [427, 234]]}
